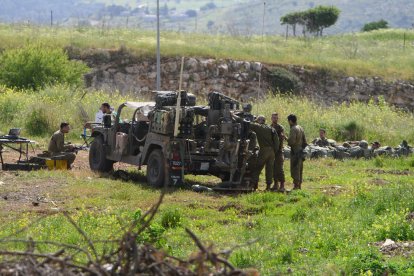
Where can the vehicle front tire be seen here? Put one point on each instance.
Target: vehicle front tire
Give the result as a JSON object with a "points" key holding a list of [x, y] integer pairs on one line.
{"points": [[156, 168], [97, 158]]}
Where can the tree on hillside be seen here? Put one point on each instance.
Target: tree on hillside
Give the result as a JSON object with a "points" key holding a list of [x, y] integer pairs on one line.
{"points": [[313, 20], [291, 19], [375, 25], [324, 17]]}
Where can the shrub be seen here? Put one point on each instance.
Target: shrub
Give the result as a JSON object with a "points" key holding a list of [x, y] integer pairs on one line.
{"points": [[286, 256], [379, 162], [36, 66], [411, 162], [299, 215], [375, 25], [393, 225], [37, 123], [9, 108], [370, 263], [171, 219], [283, 80], [350, 131]]}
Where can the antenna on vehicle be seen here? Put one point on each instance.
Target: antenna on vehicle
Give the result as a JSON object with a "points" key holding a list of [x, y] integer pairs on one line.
{"points": [[177, 111], [258, 91]]}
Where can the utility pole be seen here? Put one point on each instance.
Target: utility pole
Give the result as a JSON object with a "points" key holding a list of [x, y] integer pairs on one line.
{"points": [[264, 15], [51, 18], [158, 48]]}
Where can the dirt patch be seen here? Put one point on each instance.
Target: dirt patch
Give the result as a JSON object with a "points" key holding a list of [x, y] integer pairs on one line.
{"points": [[394, 172], [28, 194], [250, 211], [379, 182], [230, 205], [332, 190], [410, 216], [391, 248]]}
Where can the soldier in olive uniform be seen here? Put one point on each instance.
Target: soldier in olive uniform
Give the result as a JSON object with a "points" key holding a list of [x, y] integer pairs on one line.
{"points": [[279, 174], [322, 141], [57, 147], [269, 145], [297, 143]]}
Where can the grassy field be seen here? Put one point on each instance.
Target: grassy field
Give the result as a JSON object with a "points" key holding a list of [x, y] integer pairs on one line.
{"points": [[40, 113], [328, 228], [380, 53]]}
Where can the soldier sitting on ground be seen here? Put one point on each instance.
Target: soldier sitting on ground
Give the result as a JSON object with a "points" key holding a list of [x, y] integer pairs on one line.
{"points": [[322, 141], [57, 148]]}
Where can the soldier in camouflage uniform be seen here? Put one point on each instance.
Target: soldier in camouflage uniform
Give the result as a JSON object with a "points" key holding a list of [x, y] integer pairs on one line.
{"points": [[322, 141], [269, 145], [278, 174], [297, 143], [57, 148]]}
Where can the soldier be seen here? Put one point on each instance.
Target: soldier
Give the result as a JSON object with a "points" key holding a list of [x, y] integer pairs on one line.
{"points": [[297, 143], [278, 173], [269, 145], [105, 109], [57, 147], [322, 141]]}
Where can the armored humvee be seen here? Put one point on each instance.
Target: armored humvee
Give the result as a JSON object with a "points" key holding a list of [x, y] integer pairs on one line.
{"points": [[204, 140]]}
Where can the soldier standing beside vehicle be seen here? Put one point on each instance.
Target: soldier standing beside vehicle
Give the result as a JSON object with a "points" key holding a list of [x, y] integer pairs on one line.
{"points": [[278, 173], [269, 145], [57, 148], [297, 143]]}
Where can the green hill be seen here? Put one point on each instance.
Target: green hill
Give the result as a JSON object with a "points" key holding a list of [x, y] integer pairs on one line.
{"points": [[236, 17], [378, 53]]}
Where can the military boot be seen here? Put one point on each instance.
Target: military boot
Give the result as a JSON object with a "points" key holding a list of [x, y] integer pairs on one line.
{"points": [[268, 186], [282, 187], [275, 186], [296, 186]]}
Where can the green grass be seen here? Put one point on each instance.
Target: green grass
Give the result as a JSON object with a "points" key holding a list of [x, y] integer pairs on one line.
{"points": [[378, 53], [325, 229], [59, 103]]}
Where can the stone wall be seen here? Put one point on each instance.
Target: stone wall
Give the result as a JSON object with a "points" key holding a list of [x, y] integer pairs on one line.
{"points": [[118, 70]]}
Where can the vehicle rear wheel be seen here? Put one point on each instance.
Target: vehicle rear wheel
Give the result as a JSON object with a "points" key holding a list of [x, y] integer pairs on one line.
{"points": [[97, 158], [156, 168]]}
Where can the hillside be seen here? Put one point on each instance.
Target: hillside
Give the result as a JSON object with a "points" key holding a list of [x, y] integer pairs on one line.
{"points": [[231, 16], [381, 53]]}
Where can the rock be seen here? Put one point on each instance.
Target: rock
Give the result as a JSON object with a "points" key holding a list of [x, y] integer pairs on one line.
{"points": [[257, 66], [223, 69], [171, 67], [152, 75], [195, 77], [247, 66], [388, 242], [191, 64], [350, 80], [132, 70]]}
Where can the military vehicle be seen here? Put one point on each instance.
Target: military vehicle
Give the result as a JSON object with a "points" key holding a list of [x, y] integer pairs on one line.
{"points": [[173, 137]]}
